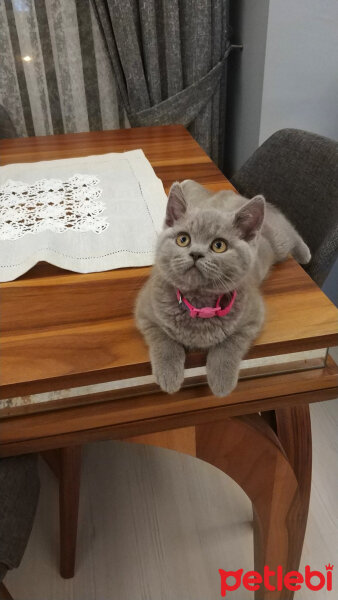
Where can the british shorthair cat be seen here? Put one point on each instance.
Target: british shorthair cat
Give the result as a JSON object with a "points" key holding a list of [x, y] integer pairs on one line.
{"points": [[203, 292]]}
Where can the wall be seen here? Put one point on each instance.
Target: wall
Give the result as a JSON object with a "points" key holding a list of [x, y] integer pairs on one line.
{"points": [[248, 21], [286, 76], [330, 286], [301, 68]]}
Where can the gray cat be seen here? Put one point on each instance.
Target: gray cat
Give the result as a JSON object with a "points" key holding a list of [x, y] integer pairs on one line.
{"points": [[212, 245]]}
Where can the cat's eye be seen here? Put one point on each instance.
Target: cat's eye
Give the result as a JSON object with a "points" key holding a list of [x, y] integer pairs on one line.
{"points": [[219, 246], [183, 239]]}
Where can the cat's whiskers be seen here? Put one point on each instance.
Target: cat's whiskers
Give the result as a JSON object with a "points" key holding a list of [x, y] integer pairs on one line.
{"points": [[223, 282], [213, 271]]}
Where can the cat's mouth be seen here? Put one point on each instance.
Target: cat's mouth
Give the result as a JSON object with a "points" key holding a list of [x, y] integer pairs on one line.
{"points": [[193, 267]]}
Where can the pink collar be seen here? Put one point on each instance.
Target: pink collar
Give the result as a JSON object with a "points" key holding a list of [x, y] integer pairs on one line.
{"points": [[207, 311]]}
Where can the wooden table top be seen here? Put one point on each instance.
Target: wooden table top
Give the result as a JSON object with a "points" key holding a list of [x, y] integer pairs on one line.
{"points": [[61, 329]]}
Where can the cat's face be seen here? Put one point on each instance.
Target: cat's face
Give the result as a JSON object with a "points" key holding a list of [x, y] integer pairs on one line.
{"points": [[207, 249]]}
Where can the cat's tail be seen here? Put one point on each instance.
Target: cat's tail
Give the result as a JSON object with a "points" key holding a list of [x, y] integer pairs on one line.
{"points": [[300, 251]]}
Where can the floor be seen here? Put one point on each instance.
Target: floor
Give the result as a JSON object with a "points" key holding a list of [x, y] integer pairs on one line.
{"points": [[157, 525]]}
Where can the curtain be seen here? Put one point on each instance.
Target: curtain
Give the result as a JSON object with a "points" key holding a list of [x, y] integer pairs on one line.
{"points": [[168, 58], [7, 129], [55, 71]]}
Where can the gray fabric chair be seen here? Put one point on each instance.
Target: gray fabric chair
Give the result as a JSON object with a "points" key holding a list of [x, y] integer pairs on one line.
{"points": [[298, 172], [7, 129], [19, 493]]}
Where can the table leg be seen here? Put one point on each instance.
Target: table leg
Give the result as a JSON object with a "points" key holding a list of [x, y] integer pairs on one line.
{"points": [[294, 432], [66, 465], [181, 440], [4, 593], [271, 464], [249, 451], [70, 475]]}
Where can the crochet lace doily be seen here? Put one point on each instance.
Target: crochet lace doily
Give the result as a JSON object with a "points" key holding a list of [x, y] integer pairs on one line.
{"points": [[51, 204]]}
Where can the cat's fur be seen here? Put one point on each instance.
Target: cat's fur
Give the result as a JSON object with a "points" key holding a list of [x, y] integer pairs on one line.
{"points": [[257, 235]]}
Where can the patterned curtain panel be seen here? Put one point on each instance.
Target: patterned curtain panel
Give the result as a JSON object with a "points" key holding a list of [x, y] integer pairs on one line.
{"points": [[169, 61], [80, 65], [55, 72], [7, 129]]}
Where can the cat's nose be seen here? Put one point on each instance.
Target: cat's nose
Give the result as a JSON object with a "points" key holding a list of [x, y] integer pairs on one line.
{"points": [[196, 255]]}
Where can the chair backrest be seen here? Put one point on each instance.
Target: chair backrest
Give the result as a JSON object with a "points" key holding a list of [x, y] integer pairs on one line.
{"points": [[7, 129], [298, 172]]}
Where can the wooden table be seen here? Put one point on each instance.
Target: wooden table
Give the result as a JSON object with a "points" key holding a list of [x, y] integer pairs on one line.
{"points": [[74, 334]]}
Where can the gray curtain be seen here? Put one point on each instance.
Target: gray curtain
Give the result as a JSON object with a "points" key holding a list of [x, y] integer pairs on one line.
{"points": [[7, 129], [169, 58], [68, 84]]}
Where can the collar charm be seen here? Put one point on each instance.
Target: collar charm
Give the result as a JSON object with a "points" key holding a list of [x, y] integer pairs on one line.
{"points": [[207, 312]]}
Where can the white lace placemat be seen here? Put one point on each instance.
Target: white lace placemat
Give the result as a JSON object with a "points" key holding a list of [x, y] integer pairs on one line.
{"points": [[85, 214]]}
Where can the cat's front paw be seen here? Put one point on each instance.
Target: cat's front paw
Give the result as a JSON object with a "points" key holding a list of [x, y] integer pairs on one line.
{"points": [[169, 376], [221, 386], [222, 377], [222, 370]]}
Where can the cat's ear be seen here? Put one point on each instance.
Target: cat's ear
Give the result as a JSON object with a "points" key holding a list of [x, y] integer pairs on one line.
{"points": [[176, 206], [249, 219]]}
